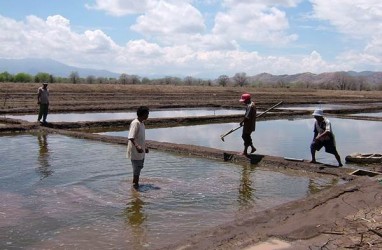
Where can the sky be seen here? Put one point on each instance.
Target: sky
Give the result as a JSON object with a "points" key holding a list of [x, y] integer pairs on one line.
{"points": [[203, 39]]}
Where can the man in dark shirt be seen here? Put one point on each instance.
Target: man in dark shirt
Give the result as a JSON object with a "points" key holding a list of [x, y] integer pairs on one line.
{"points": [[248, 122]]}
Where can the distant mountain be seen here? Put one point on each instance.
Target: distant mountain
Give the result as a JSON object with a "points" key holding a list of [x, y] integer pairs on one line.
{"points": [[370, 77], [34, 66]]}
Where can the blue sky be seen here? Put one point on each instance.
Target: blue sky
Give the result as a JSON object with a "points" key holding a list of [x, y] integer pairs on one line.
{"points": [[194, 37]]}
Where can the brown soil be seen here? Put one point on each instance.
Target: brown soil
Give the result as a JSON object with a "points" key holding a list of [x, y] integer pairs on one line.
{"points": [[342, 217], [21, 97]]}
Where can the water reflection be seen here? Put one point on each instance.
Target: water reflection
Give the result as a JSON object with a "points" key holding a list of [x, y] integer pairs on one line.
{"points": [[78, 117], [377, 114], [44, 168], [316, 186], [321, 106], [245, 189], [134, 217]]}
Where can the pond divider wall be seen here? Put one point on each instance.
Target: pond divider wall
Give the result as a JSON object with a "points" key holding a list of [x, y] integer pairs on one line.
{"points": [[78, 129], [271, 162]]}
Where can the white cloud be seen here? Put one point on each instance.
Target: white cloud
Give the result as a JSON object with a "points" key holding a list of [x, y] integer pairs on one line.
{"points": [[170, 19], [123, 7], [253, 22], [177, 41], [52, 38], [357, 18], [285, 3]]}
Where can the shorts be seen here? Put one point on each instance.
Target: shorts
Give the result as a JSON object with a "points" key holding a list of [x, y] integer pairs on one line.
{"points": [[137, 166], [329, 145]]}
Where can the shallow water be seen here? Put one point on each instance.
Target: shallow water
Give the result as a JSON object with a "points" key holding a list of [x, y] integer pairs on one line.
{"points": [[78, 117], [320, 106], [376, 114], [285, 138], [68, 193]]}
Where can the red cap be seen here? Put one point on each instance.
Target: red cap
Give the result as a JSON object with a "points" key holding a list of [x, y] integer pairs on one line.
{"points": [[245, 97]]}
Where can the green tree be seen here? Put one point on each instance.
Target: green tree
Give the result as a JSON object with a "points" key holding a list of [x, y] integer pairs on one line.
{"points": [[6, 77], [42, 77], [23, 77]]}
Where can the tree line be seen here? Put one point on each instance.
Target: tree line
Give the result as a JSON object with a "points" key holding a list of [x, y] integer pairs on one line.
{"points": [[340, 81]]}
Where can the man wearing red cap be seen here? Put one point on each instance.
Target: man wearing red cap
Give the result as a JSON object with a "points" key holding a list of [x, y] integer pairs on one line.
{"points": [[248, 122]]}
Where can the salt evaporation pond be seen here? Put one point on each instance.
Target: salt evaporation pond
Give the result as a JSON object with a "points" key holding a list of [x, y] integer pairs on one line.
{"points": [[68, 193], [78, 117], [376, 114], [321, 106], [285, 138]]}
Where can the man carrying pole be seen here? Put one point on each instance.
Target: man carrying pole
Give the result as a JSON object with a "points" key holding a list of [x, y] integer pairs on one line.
{"points": [[248, 122]]}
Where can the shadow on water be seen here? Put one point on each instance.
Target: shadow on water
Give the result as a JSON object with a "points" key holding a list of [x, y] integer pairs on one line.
{"points": [[44, 168], [147, 187]]}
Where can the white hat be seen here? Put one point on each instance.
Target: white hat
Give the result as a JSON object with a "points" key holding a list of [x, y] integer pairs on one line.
{"points": [[318, 112]]}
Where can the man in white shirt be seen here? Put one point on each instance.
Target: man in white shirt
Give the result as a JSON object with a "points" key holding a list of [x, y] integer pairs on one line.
{"points": [[136, 147], [323, 137]]}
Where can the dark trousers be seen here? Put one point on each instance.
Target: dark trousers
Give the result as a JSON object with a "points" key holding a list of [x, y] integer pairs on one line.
{"points": [[43, 112], [247, 139]]}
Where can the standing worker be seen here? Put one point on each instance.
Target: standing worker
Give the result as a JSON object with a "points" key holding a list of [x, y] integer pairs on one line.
{"points": [[323, 137], [136, 147], [248, 122], [43, 101]]}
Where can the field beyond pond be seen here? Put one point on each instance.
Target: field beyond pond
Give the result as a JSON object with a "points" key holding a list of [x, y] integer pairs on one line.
{"points": [[21, 97]]}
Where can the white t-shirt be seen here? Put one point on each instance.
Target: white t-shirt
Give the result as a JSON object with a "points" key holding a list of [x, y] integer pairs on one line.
{"points": [[136, 132], [44, 95], [321, 127]]}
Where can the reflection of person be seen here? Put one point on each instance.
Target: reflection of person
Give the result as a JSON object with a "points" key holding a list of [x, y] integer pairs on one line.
{"points": [[134, 211], [245, 190], [248, 122], [135, 217], [323, 137], [44, 168], [43, 101], [136, 147]]}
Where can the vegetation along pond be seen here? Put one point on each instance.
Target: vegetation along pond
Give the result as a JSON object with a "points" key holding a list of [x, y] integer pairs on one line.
{"points": [[59, 192]]}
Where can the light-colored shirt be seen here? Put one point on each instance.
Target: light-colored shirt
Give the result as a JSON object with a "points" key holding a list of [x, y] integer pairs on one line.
{"points": [[321, 127], [43, 95], [136, 132]]}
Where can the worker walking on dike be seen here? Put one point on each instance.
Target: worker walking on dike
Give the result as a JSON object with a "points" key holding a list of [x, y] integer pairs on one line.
{"points": [[323, 137], [248, 122], [136, 147], [43, 101]]}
